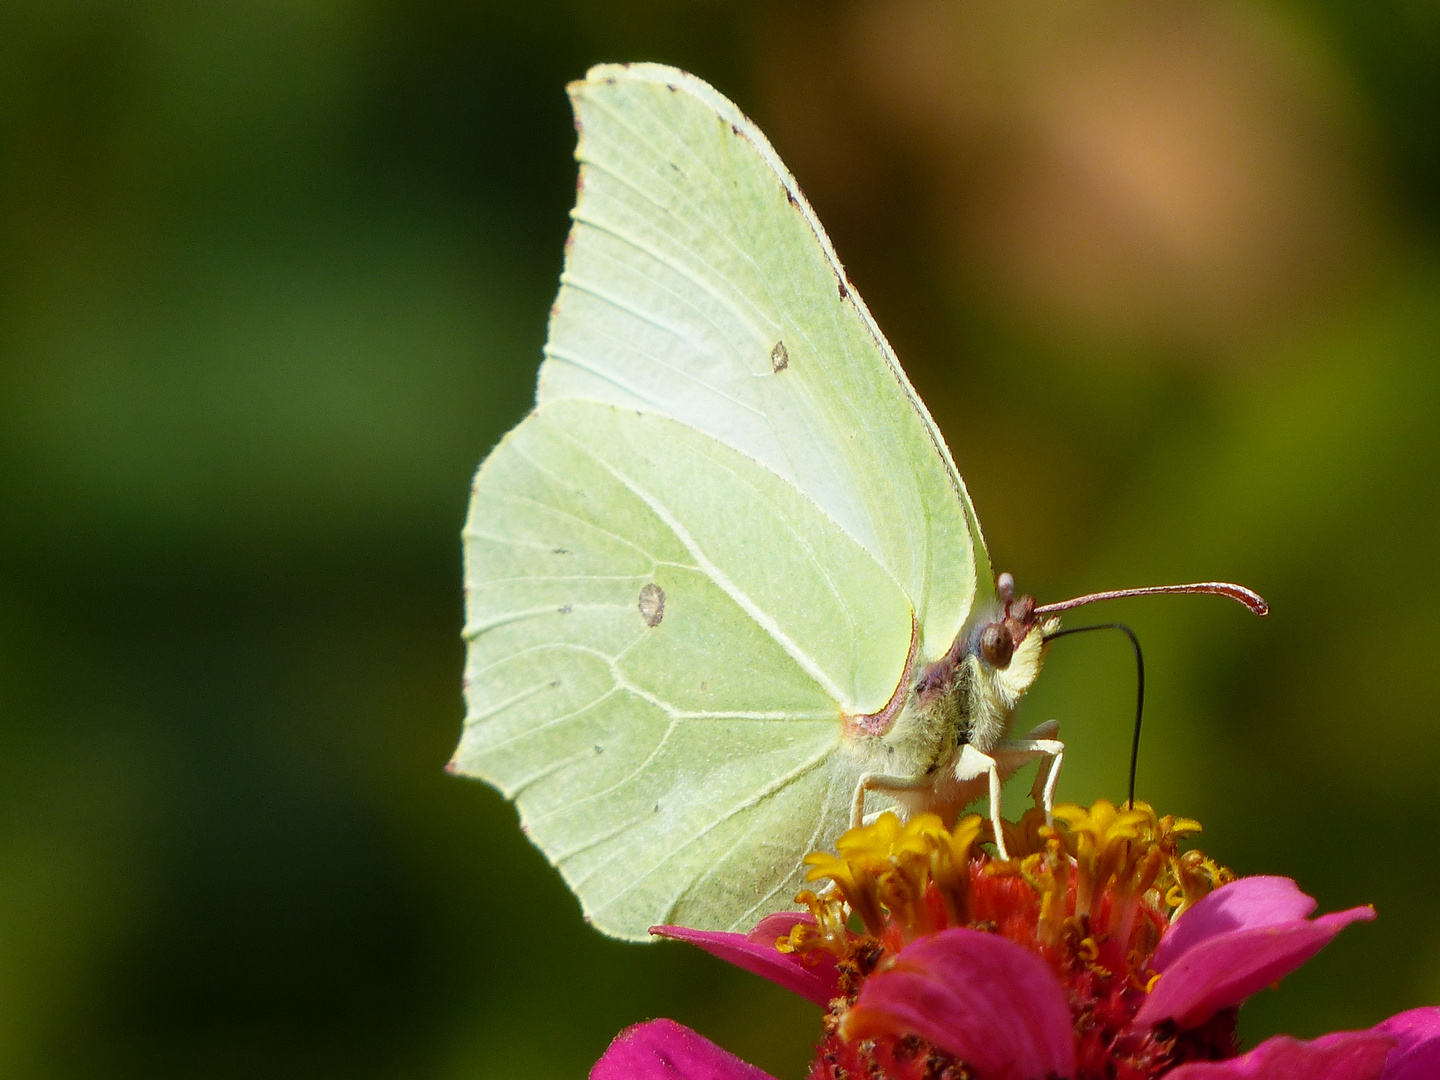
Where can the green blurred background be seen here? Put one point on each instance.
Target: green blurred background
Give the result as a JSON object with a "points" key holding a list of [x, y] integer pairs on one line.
{"points": [[274, 278]]}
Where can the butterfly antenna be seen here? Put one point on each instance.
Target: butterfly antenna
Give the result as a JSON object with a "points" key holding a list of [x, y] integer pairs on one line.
{"points": [[1139, 688], [1251, 599]]}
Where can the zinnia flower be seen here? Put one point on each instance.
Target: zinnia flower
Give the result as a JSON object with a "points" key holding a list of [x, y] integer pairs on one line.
{"points": [[1100, 952]]}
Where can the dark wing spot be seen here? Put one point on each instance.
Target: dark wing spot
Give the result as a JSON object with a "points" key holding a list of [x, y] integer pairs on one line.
{"points": [[565, 609], [599, 749], [779, 357], [652, 604], [560, 551]]}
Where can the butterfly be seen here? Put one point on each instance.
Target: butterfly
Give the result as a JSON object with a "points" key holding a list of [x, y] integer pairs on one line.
{"points": [[726, 594]]}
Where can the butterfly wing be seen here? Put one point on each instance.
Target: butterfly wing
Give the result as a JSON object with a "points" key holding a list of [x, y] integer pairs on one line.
{"points": [[699, 284], [726, 529], [665, 638]]}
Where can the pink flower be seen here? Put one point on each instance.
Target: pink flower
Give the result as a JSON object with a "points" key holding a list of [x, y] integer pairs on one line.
{"points": [[812, 976], [664, 1049], [1239, 939], [1101, 951]]}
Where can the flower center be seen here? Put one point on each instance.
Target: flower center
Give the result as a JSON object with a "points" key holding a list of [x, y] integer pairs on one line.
{"points": [[1091, 895]]}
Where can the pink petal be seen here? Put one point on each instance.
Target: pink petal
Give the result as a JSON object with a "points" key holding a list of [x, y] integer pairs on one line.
{"points": [[812, 975], [1227, 967], [1417, 1056], [1346, 1055], [778, 925], [996, 1006], [665, 1050], [1243, 904]]}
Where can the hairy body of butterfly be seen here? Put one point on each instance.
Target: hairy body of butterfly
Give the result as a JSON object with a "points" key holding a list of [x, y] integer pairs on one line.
{"points": [[724, 585], [725, 590], [951, 742]]}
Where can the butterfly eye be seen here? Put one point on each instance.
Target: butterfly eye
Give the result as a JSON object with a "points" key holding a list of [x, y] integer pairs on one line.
{"points": [[997, 645]]}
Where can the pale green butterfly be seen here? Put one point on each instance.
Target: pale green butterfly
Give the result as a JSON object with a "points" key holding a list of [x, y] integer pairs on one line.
{"points": [[725, 579]]}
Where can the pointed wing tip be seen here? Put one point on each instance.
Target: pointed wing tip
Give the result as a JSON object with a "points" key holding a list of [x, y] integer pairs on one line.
{"points": [[641, 71], [600, 76], [645, 71]]}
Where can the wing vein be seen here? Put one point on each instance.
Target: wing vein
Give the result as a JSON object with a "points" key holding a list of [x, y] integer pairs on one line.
{"points": [[722, 581], [778, 784]]}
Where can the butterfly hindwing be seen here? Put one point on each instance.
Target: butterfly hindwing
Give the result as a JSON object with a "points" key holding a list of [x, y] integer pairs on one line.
{"points": [[665, 639]]}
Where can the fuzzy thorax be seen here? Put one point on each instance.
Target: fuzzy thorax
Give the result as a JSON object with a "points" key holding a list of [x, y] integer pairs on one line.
{"points": [[962, 698]]}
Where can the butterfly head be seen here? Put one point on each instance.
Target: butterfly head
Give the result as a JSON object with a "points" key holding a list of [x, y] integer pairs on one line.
{"points": [[1005, 654], [983, 676]]}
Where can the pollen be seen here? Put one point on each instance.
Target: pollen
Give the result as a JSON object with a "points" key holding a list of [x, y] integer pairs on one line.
{"points": [[1092, 894]]}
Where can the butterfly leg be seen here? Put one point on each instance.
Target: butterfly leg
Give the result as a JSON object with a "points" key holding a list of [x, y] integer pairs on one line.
{"points": [[971, 766], [1041, 742], [1042, 792], [885, 785]]}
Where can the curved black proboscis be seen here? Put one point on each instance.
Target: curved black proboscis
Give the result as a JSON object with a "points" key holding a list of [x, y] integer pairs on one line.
{"points": [[1139, 687]]}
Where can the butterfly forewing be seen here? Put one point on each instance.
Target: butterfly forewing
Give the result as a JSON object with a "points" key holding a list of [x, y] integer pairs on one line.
{"points": [[699, 284]]}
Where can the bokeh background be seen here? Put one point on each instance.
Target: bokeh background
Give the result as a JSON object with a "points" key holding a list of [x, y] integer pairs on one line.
{"points": [[274, 278]]}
